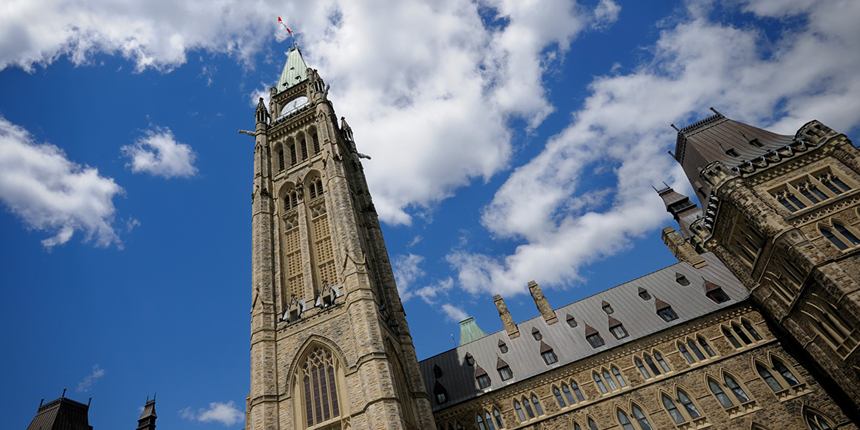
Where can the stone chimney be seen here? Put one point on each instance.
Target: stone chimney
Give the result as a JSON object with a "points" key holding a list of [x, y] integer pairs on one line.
{"points": [[542, 304], [682, 249], [505, 315]]}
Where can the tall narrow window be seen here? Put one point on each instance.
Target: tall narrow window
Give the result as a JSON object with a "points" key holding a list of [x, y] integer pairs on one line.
{"points": [[817, 422], [281, 160], [731, 338], [746, 340], [536, 403], [706, 346], [293, 158], [320, 387], [558, 397], [618, 376], [304, 147], [688, 405], [785, 372], [736, 389], [591, 424], [661, 362], [316, 141], [481, 424], [642, 369], [686, 353], [651, 364], [489, 421], [528, 408], [600, 384], [624, 420], [575, 388], [720, 394], [568, 395], [498, 418], [768, 378], [846, 234], [695, 350], [833, 239], [641, 418], [752, 331], [609, 380], [673, 410], [519, 410]]}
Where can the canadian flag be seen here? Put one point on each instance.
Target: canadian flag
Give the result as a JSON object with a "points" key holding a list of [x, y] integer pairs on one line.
{"points": [[285, 26]]}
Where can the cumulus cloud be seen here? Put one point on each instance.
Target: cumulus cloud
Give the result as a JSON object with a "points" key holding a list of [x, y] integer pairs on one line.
{"points": [[622, 132], [225, 413], [429, 86], [159, 154], [51, 193], [91, 379], [406, 271], [453, 313]]}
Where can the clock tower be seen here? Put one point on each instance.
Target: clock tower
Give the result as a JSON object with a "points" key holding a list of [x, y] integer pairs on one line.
{"points": [[330, 346]]}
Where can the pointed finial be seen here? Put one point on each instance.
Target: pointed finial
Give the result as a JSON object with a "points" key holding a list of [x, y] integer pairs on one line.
{"points": [[714, 110], [676, 128], [64, 394], [153, 396], [670, 153], [89, 401], [655, 188], [667, 185]]}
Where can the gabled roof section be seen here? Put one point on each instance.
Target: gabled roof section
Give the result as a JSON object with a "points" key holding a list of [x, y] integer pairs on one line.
{"points": [[570, 343], [544, 347], [295, 70], [661, 305], [501, 363]]}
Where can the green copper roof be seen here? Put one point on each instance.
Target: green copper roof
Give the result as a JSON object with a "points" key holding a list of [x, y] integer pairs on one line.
{"points": [[469, 331], [295, 70]]}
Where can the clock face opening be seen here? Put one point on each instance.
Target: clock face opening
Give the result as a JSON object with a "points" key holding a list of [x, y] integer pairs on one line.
{"points": [[294, 105]]}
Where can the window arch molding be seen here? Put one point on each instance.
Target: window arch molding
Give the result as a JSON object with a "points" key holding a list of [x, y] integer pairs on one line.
{"points": [[838, 233], [779, 374], [730, 392], [290, 152], [815, 419], [279, 158], [313, 184], [633, 417], [303, 397], [681, 405], [289, 196], [651, 364]]}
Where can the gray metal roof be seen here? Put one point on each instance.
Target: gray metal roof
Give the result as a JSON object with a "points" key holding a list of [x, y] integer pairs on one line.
{"points": [[718, 138], [638, 316], [295, 70]]}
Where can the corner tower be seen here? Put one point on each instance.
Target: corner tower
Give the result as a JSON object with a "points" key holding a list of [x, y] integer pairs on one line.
{"points": [[783, 213], [330, 347]]}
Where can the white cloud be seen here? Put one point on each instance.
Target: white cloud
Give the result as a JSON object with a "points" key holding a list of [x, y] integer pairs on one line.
{"points": [[51, 193], [406, 272], [225, 413], [453, 313], [91, 379], [623, 131], [159, 154], [428, 86]]}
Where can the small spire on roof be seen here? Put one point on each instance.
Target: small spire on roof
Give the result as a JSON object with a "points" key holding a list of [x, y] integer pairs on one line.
{"points": [[676, 128]]}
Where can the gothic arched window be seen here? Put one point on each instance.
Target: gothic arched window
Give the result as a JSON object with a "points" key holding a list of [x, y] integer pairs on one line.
{"points": [[317, 378]]}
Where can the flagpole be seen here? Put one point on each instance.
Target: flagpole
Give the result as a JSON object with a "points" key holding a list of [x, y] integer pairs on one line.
{"points": [[290, 33]]}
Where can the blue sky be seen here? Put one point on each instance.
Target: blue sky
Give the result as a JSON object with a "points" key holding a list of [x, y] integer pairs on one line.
{"points": [[510, 141]]}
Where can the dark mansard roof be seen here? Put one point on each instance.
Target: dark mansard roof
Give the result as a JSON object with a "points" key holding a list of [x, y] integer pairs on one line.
{"points": [[718, 138], [61, 414], [639, 317]]}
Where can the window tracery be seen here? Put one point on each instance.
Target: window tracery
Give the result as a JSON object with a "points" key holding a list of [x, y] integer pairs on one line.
{"points": [[692, 352], [810, 190], [741, 335], [318, 381], [651, 367]]}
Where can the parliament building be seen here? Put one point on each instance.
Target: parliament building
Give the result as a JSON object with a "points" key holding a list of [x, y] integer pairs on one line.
{"points": [[755, 327]]}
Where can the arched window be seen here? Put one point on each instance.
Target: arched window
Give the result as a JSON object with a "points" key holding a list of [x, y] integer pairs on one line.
{"points": [[609, 380], [731, 338], [744, 338], [481, 424], [528, 408], [786, 373], [695, 349], [576, 426], [751, 330], [318, 380], [558, 397], [673, 410], [303, 144], [281, 160], [575, 388], [642, 369], [661, 362], [490, 425], [293, 158], [720, 394], [686, 353], [816, 421], [536, 403], [498, 418], [591, 424], [519, 409], [768, 377], [736, 389], [706, 346], [316, 141], [568, 395], [600, 384], [688, 405], [641, 418], [833, 239], [618, 377], [846, 234], [624, 420]]}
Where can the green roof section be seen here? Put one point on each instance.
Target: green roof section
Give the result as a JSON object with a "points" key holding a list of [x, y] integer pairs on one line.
{"points": [[469, 331], [295, 70]]}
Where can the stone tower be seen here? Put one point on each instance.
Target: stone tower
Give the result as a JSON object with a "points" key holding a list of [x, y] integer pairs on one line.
{"points": [[330, 347], [783, 213]]}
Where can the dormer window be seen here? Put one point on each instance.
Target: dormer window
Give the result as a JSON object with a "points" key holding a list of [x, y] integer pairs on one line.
{"points": [[547, 353], [571, 321], [441, 393], [607, 307], [715, 292], [665, 311], [503, 347], [536, 334], [682, 280], [732, 152], [504, 370], [593, 337], [617, 328], [470, 360], [482, 378], [437, 371], [644, 294], [755, 142]]}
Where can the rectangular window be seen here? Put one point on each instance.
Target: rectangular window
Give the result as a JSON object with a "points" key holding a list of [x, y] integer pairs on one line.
{"points": [[505, 373], [483, 381], [549, 357]]}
